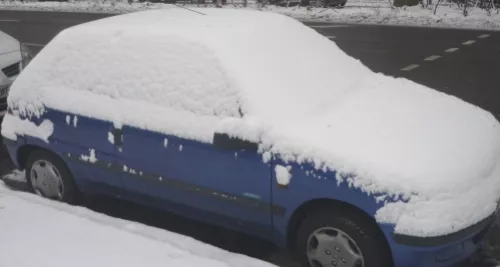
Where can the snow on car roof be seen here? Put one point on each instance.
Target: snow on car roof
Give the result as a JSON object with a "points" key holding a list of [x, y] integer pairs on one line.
{"points": [[178, 72], [179, 59]]}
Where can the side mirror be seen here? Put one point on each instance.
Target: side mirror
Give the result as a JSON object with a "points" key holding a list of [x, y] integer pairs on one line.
{"points": [[225, 142]]}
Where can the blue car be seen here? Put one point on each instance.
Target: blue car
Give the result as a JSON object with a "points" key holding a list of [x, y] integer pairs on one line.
{"points": [[221, 116]]}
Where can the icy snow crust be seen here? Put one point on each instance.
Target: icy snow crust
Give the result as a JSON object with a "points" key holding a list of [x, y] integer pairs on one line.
{"points": [[178, 72], [283, 174], [12, 126], [84, 238]]}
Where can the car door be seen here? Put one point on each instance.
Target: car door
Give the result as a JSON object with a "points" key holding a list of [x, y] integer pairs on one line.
{"points": [[84, 143], [226, 186]]}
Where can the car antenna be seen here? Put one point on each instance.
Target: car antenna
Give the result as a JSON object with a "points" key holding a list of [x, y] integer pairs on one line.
{"points": [[190, 9]]}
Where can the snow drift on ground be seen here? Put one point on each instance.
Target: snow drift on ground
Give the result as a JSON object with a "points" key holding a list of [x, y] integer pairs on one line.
{"points": [[37, 232], [240, 72], [380, 12], [356, 11]]}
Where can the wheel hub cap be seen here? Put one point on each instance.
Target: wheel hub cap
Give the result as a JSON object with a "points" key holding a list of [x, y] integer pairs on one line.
{"points": [[46, 180], [332, 247]]}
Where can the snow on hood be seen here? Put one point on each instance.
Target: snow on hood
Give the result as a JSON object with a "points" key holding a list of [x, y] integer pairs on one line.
{"points": [[401, 139], [8, 43], [305, 99], [406, 137]]}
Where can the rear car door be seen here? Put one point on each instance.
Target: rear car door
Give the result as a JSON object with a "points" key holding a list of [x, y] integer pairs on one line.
{"points": [[84, 143]]}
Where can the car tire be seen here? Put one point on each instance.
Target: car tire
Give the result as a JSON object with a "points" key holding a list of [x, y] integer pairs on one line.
{"points": [[48, 176], [356, 238]]}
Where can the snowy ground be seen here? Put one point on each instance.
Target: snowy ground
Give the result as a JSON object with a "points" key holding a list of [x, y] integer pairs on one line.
{"points": [[379, 12], [102, 236], [33, 228], [447, 16]]}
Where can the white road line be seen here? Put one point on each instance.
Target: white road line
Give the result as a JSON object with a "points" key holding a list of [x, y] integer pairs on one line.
{"points": [[451, 50], [330, 37], [329, 26], [469, 42], [9, 20], [482, 36], [31, 44], [432, 58], [410, 67]]}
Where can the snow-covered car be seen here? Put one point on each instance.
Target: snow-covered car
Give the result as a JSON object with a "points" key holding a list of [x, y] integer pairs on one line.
{"points": [[13, 56], [211, 116]]}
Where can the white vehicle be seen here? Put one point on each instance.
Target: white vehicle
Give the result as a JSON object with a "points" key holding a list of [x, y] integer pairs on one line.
{"points": [[13, 57]]}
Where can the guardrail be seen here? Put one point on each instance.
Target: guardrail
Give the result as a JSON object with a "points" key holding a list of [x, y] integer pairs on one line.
{"points": [[465, 5]]}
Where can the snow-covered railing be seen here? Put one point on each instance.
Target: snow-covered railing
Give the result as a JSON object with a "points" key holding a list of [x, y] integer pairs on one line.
{"points": [[472, 14], [465, 5]]}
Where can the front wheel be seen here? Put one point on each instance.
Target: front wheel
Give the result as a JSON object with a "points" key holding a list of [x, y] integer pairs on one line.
{"points": [[48, 176], [332, 239]]}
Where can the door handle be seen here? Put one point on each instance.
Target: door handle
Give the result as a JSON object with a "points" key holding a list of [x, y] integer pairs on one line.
{"points": [[118, 137]]}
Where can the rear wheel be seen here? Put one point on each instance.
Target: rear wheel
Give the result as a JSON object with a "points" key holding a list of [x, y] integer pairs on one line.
{"points": [[329, 238], [48, 176]]}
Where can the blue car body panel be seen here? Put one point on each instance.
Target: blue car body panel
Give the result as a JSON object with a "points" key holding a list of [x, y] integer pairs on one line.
{"points": [[309, 184], [234, 189], [233, 186]]}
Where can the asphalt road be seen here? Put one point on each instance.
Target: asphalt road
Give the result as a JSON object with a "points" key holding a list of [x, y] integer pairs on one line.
{"points": [[464, 63]]}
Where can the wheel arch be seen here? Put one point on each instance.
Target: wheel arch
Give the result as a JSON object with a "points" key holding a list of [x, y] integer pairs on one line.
{"points": [[25, 151], [332, 205]]}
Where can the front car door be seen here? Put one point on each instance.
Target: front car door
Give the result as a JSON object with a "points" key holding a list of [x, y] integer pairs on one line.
{"points": [[229, 187]]}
